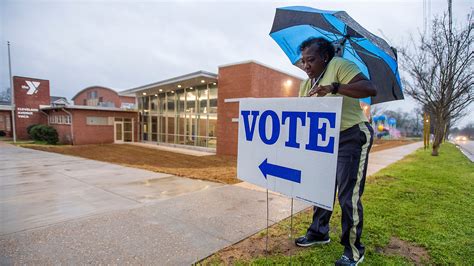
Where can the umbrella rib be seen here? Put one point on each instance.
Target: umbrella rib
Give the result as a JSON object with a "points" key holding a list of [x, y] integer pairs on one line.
{"points": [[367, 53], [325, 34], [356, 56]]}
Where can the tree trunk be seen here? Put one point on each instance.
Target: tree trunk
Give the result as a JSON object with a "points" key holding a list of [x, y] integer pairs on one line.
{"points": [[438, 137]]}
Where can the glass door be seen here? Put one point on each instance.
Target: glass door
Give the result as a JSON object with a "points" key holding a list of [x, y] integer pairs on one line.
{"points": [[118, 132]]}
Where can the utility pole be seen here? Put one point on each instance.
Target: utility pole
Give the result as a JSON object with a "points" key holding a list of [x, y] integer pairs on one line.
{"points": [[426, 17], [450, 15], [12, 91]]}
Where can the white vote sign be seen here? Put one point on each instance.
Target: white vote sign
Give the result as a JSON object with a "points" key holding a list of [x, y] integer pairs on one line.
{"points": [[289, 145]]}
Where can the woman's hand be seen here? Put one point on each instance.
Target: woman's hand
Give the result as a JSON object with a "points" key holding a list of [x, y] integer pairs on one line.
{"points": [[320, 91]]}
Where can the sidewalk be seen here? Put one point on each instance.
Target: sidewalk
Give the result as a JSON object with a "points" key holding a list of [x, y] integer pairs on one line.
{"points": [[384, 158], [177, 230]]}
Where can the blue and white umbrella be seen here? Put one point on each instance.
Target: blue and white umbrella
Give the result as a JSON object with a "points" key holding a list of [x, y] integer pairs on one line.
{"points": [[376, 59]]}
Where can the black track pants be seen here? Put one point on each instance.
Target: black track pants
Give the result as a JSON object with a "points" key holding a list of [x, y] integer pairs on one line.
{"points": [[354, 147]]}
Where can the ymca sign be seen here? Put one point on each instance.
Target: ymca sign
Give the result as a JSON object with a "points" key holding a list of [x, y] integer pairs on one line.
{"points": [[289, 145], [31, 87]]}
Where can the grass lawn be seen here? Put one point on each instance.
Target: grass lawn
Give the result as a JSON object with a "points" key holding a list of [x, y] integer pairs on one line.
{"points": [[418, 210]]}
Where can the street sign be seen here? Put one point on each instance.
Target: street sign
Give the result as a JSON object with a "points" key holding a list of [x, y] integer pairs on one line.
{"points": [[289, 145]]}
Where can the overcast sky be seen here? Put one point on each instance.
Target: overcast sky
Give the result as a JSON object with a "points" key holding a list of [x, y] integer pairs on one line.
{"points": [[126, 44]]}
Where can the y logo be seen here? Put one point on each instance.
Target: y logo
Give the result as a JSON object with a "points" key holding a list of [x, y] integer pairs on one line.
{"points": [[32, 87]]}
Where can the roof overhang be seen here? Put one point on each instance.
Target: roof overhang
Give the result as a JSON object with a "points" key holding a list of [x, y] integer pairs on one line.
{"points": [[184, 81], [6, 108], [85, 107]]}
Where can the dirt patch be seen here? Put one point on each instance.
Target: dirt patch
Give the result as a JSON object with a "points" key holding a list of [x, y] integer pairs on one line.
{"points": [[418, 255], [279, 243], [382, 144], [222, 169], [253, 248]]}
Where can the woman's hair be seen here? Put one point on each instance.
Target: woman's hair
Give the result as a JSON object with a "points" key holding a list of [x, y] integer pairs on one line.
{"points": [[325, 47]]}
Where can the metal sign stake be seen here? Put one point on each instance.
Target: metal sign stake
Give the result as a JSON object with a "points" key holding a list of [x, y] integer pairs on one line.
{"points": [[266, 238], [291, 230]]}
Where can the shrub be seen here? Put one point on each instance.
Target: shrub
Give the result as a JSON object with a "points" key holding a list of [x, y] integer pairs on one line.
{"points": [[44, 133], [35, 132], [2, 133], [50, 135], [28, 129]]}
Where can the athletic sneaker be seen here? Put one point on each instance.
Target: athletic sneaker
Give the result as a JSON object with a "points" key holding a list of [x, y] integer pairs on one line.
{"points": [[344, 260], [308, 240]]}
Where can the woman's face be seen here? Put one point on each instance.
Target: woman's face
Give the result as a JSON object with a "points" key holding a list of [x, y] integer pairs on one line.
{"points": [[313, 62]]}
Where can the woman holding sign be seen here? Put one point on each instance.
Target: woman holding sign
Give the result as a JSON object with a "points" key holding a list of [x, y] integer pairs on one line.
{"points": [[332, 76]]}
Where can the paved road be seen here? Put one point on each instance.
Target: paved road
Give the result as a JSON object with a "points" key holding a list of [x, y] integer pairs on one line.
{"points": [[57, 209], [467, 148]]}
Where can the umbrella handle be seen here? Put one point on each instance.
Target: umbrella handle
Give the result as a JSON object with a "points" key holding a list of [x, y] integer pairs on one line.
{"points": [[339, 46]]}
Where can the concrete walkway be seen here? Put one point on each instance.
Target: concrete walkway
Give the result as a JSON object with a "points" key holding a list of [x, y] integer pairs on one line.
{"points": [[59, 209], [384, 158], [194, 151]]}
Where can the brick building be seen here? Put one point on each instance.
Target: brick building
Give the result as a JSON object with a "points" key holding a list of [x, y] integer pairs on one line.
{"points": [[241, 80], [30, 94], [200, 110], [103, 97], [197, 110], [96, 122], [6, 119]]}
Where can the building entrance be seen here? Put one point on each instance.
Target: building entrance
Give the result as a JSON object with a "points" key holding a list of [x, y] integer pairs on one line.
{"points": [[118, 132]]}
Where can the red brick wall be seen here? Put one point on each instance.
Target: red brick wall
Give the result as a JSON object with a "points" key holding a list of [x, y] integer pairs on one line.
{"points": [[6, 122], [64, 131], [246, 80], [92, 134], [127, 99], [27, 102], [107, 95]]}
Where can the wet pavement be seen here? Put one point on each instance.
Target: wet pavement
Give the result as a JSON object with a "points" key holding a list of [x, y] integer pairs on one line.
{"points": [[40, 188], [57, 209]]}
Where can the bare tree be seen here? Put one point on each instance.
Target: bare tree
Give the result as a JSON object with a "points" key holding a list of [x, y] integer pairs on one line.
{"points": [[441, 74], [376, 110], [5, 95]]}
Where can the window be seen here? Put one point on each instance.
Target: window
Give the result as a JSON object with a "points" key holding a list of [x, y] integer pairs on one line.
{"points": [[60, 119], [127, 127], [106, 104], [213, 99], [202, 105], [92, 95], [186, 116], [2, 122], [99, 121], [154, 103]]}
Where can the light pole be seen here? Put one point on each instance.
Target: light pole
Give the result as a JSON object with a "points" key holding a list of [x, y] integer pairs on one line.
{"points": [[12, 91]]}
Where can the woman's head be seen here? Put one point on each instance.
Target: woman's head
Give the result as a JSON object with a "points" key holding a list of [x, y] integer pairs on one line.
{"points": [[315, 55]]}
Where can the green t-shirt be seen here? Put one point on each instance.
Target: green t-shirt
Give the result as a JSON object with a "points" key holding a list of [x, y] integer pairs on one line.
{"points": [[340, 70]]}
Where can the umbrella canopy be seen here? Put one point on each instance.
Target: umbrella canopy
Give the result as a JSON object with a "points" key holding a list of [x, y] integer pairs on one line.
{"points": [[375, 58]]}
